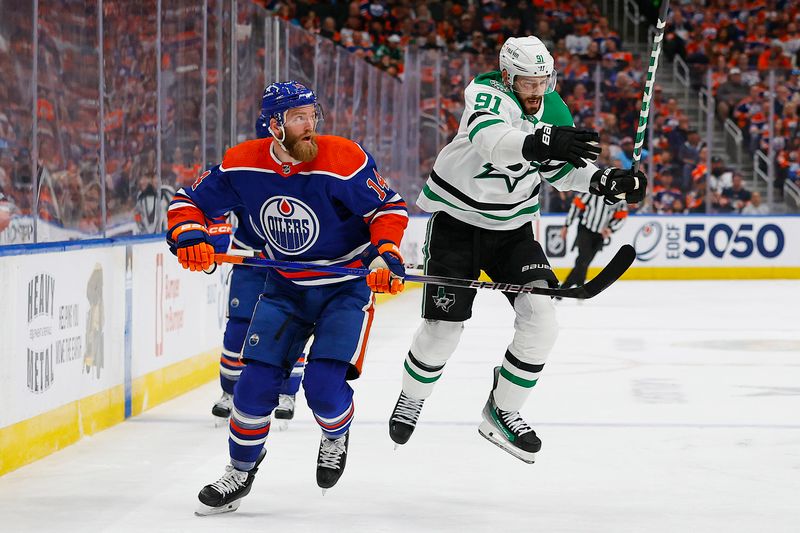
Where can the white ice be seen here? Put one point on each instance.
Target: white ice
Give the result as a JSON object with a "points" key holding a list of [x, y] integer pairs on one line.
{"points": [[666, 406]]}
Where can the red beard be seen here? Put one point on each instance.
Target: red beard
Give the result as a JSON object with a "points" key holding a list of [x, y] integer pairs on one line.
{"points": [[302, 147]]}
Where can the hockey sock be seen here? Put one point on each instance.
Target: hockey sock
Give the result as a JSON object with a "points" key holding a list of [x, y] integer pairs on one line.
{"points": [[255, 396], [230, 365], [292, 384], [230, 368], [419, 378], [515, 382], [329, 396]]}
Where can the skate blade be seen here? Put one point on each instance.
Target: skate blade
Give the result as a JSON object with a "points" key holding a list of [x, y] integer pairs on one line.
{"points": [[206, 510], [490, 433], [220, 421], [396, 446], [280, 425], [324, 491]]}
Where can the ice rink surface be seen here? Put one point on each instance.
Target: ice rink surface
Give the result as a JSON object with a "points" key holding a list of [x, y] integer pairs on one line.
{"points": [[665, 406]]}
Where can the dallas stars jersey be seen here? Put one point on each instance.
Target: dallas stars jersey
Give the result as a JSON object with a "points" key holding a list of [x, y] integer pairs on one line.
{"points": [[481, 177]]}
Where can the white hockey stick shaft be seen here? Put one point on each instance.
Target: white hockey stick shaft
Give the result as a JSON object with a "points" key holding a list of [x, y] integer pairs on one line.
{"points": [[649, 85]]}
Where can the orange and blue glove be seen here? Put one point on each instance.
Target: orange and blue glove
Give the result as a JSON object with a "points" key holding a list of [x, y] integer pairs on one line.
{"points": [[386, 267], [193, 247]]}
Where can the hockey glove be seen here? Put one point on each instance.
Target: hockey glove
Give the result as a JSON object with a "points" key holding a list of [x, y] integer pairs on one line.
{"points": [[386, 265], [219, 236], [616, 184], [193, 247], [563, 143]]}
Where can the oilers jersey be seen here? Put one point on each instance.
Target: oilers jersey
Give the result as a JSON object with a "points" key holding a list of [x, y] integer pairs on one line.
{"points": [[245, 236], [326, 211]]}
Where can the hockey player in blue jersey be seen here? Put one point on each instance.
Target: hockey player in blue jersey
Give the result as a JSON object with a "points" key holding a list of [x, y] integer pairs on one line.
{"points": [[245, 284], [317, 199]]}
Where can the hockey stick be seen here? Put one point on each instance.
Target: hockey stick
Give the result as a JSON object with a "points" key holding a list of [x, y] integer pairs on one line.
{"points": [[649, 84], [611, 273]]}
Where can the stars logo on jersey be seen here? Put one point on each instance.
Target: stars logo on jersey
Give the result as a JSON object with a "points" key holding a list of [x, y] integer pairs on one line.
{"points": [[444, 300], [289, 225], [490, 172]]}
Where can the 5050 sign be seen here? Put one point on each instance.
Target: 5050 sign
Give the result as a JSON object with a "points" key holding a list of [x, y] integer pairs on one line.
{"points": [[694, 240], [722, 240]]}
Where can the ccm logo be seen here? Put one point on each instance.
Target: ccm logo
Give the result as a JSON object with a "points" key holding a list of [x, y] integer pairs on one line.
{"points": [[220, 229]]}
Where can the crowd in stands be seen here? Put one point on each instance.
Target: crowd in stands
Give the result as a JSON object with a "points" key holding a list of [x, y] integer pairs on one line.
{"points": [[741, 42], [600, 82], [68, 108]]}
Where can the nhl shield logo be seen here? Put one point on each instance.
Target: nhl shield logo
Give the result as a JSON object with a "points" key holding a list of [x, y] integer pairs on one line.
{"points": [[289, 224]]}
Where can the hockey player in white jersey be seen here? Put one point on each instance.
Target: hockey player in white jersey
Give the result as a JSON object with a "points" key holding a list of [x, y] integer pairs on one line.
{"points": [[483, 193]]}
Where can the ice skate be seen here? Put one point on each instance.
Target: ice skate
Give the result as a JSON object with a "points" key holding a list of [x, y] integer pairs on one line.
{"points": [[508, 430], [222, 409], [284, 412], [331, 460], [404, 419], [225, 494]]}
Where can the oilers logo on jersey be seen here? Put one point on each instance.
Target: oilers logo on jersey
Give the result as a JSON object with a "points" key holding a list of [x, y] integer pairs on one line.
{"points": [[291, 226]]}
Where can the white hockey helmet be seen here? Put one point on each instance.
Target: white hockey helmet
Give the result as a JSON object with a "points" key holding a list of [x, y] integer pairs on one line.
{"points": [[527, 56]]}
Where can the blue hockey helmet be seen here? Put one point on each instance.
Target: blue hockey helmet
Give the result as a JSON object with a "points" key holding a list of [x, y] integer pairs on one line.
{"points": [[278, 98]]}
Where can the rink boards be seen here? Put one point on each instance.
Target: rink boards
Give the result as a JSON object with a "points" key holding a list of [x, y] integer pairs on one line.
{"points": [[93, 333], [96, 331]]}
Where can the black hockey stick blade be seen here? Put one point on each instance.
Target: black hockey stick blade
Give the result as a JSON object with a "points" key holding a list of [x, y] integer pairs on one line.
{"points": [[613, 270]]}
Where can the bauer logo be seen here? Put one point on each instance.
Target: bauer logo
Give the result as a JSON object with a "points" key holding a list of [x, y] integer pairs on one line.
{"points": [[646, 240], [41, 327], [289, 224]]}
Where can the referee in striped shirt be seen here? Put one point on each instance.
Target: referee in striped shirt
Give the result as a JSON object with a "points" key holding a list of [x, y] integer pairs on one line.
{"points": [[596, 222]]}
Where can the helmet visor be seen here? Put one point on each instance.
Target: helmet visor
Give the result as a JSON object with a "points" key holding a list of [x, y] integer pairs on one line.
{"points": [[297, 116], [535, 85]]}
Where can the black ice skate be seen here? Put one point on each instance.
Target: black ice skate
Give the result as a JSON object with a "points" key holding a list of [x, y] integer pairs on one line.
{"points": [[331, 460], [284, 412], [404, 418], [285, 409], [225, 494], [508, 430], [222, 408]]}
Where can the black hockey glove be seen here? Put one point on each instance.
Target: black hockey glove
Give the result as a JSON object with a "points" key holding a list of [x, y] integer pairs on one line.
{"points": [[616, 184], [563, 143]]}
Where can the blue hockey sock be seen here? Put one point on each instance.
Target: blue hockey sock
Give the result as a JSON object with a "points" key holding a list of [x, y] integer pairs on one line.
{"points": [[230, 365], [254, 398], [329, 396], [230, 369]]}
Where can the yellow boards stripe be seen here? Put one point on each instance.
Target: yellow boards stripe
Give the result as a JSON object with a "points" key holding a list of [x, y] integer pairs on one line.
{"points": [[37, 437]]}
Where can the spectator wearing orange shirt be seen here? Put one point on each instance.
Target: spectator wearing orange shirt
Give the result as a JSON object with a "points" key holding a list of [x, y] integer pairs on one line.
{"points": [[773, 58]]}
